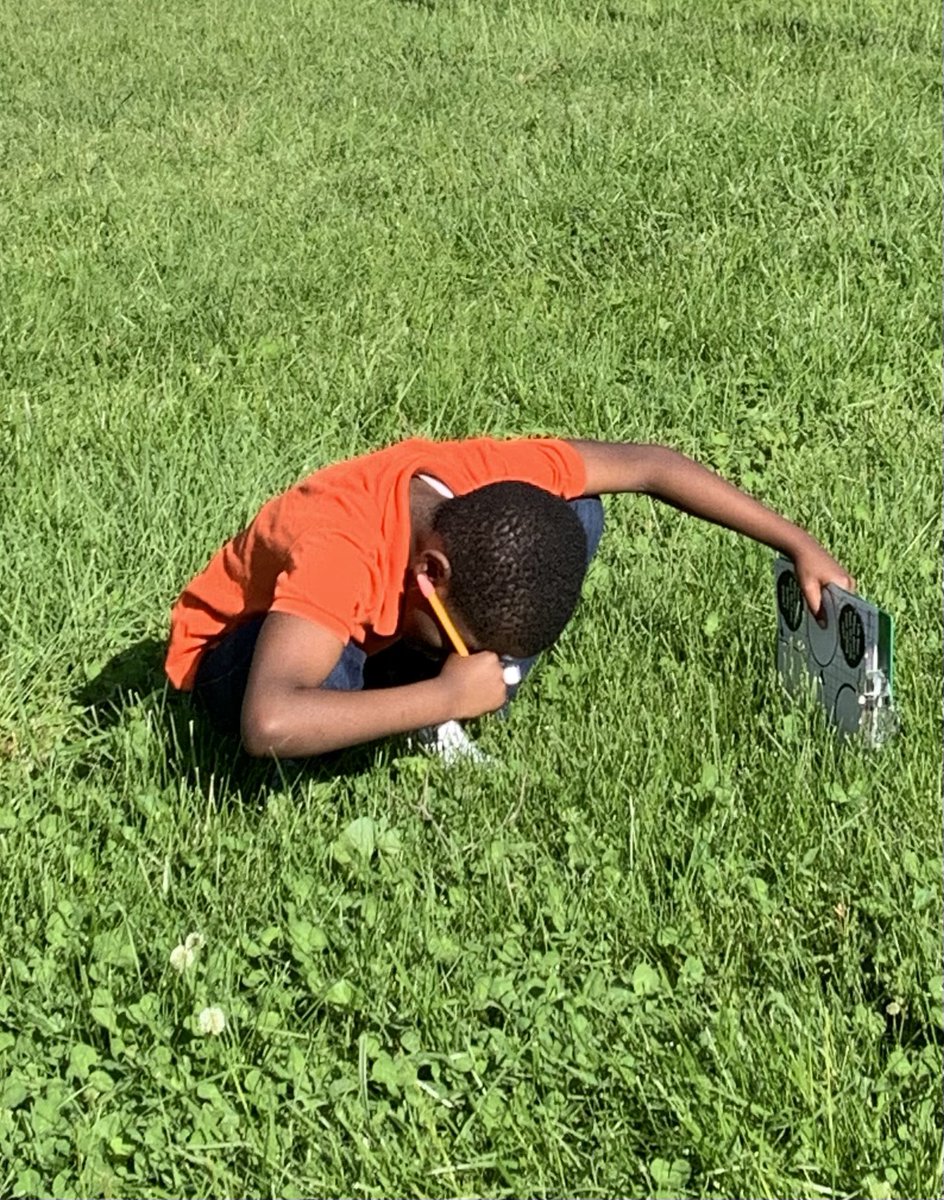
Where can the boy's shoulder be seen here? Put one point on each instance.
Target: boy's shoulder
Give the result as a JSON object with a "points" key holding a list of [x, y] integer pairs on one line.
{"points": [[379, 478]]}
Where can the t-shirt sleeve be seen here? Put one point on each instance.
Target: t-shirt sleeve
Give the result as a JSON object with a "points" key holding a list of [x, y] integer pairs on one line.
{"points": [[327, 579], [547, 463]]}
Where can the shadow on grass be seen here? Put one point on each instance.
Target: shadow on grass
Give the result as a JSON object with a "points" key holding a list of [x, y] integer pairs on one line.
{"points": [[132, 683], [135, 671]]}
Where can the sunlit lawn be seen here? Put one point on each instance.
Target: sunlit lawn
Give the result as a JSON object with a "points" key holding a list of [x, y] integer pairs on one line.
{"points": [[680, 941]]}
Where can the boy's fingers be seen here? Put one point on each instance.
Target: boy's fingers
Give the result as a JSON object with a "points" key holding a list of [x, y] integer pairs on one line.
{"points": [[814, 595]]}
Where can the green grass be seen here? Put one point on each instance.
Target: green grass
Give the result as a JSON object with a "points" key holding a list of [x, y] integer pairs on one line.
{"points": [[681, 942]]}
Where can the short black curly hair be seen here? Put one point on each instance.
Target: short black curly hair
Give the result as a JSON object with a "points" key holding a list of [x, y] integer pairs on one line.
{"points": [[518, 556]]}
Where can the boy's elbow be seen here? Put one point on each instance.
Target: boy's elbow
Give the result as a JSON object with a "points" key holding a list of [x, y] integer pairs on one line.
{"points": [[269, 728], [261, 731]]}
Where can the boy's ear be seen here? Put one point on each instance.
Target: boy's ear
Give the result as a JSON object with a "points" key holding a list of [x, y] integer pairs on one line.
{"points": [[434, 564]]}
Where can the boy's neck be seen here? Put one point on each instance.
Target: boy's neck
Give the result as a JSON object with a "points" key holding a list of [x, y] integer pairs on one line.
{"points": [[424, 500]]}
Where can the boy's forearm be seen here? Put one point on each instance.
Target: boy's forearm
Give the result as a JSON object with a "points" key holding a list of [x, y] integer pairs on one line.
{"points": [[694, 489], [664, 473], [670, 476], [309, 721]]}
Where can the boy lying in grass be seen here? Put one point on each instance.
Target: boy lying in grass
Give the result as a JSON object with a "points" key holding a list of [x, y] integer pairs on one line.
{"points": [[308, 631]]}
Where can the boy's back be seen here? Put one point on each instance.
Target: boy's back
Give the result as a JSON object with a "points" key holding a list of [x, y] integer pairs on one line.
{"points": [[334, 548]]}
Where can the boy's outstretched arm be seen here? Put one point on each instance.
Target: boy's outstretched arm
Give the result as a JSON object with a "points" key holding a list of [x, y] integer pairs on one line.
{"points": [[288, 714], [676, 479]]}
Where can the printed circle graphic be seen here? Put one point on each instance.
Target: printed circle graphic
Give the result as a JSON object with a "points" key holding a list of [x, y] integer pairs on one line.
{"points": [[790, 600], [847, 712], [851, 635], [824, 638]]}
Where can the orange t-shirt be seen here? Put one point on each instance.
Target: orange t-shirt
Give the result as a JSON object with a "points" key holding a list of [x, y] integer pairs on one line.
{"points": [[334, 549]]}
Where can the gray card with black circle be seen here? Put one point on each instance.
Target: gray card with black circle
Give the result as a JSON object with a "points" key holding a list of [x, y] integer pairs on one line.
{"points": [[848, 657]]}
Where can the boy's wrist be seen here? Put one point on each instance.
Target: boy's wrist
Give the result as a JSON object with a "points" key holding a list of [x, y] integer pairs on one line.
{"points": [[445, 700], [798, 542]]}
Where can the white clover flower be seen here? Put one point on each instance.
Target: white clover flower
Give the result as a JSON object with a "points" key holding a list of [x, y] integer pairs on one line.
{"points": [[181, 958], [212, 1021], [185, 955]]}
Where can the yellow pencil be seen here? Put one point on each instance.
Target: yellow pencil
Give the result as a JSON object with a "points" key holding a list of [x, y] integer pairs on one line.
{"points": [[426, 587]]}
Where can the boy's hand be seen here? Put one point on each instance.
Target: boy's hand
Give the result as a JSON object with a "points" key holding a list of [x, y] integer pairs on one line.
{"points": [[473, 685], [815, 568]]}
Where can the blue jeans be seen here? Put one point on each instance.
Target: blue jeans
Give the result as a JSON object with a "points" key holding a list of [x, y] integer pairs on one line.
{"points": [[224, 668]]}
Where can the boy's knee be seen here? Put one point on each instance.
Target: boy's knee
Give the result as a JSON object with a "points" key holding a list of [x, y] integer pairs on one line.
{"points": [[589, 510], [347, 674]]}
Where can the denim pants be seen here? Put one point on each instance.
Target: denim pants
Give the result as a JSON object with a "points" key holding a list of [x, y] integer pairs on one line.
{"points": [[224, 668]]}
